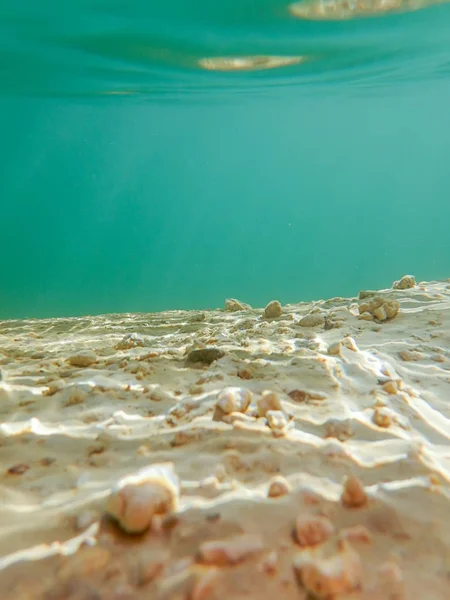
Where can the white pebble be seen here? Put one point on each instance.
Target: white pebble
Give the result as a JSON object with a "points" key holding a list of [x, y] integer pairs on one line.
{"points": [[234, 399], [137, 498], [277, 421]]}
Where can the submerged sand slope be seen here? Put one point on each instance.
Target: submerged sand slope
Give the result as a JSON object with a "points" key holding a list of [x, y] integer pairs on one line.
{"points": [[82, 404]]}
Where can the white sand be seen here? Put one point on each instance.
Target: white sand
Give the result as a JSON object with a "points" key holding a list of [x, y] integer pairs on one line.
{"points": [[375, 407]]}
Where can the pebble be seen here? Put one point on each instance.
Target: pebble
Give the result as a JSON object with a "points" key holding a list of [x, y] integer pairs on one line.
{"points": [[234, 399], [131, 340], [231, 551], [350, 344], [390, 387], [304, 396], [335, 349], [312, 320], [381, 308], [405, 283], [313, 530], [278, 486], [273, 310], [410, 355], [277, 422], [233, 305], [333, 576], [381, 418], [268, 401], [354, 494], [137, 498], [204, 356], [86, 358]]}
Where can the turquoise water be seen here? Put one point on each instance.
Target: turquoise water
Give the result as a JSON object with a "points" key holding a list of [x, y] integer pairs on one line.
{"points": [[134, 179]]}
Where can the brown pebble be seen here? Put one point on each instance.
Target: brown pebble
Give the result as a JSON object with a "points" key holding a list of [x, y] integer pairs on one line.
{"points": [[328, 578], [245, 374], [410, 355], [273, 310], [18, 469], [204, 356], [304, 396], [381, 418], [313, 530], [354, 494], [82, 359]]}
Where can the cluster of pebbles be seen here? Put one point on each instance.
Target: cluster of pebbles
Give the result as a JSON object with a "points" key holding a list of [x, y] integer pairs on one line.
{"points": [[240, 453]]}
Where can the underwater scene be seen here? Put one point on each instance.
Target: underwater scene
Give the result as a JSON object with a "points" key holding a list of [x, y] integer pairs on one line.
{"points": [[225, 300]]}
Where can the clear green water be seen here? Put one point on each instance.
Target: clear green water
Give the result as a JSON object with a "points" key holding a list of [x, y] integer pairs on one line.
{"points": [[134, 180]]}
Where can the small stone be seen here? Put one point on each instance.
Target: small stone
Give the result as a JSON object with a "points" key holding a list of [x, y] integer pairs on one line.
{"points": [[327, 578], [231, 551], [268, 401], [304, 396], [381, 418], [390, 387], [279, 486], [234, 399], [233, 305], [354, 494], [86, 358], [312, 320], [381, 308], [335, 349], [18, 469], [437, 358], [350, 343], [273, 310], [277, 421], [204, 356], [131, 340], [405, 283], [410, 355], [245, 374], [313, 530], [136, 499]]}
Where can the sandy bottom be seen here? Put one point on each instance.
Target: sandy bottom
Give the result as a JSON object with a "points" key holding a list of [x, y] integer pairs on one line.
{"points": [[335, 485]]}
